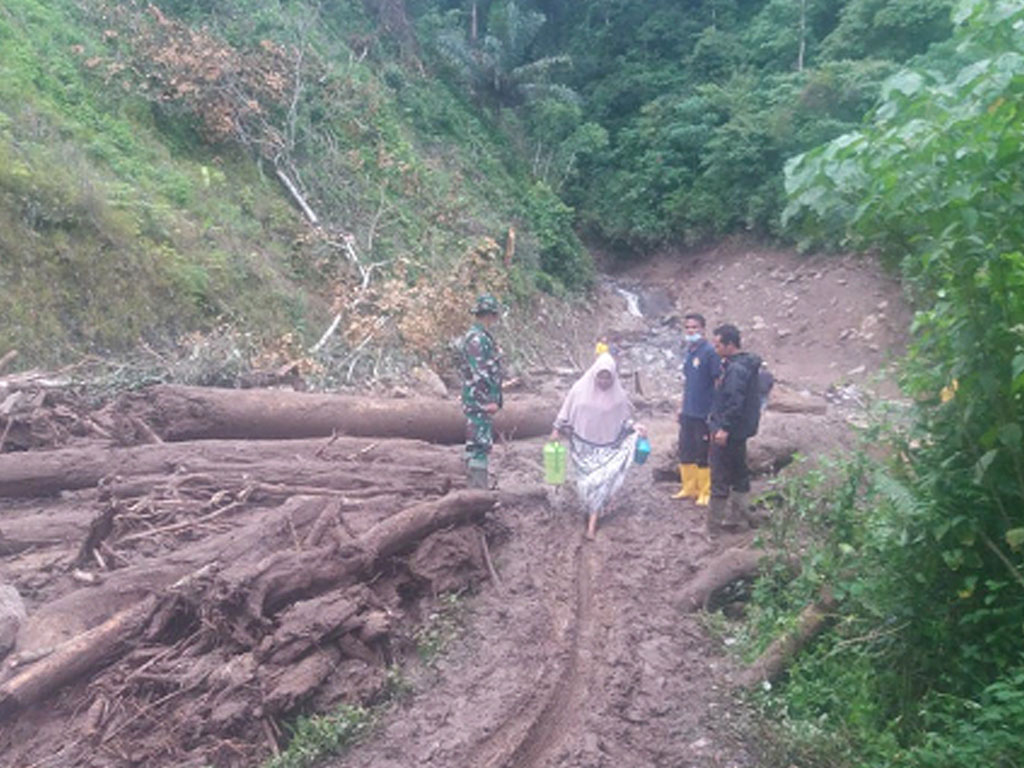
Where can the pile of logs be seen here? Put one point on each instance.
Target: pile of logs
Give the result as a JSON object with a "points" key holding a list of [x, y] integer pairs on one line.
{"points": [[205, 584]]}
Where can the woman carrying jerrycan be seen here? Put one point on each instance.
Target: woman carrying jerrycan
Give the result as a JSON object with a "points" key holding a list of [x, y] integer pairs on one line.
{"points": [[597, 419]]}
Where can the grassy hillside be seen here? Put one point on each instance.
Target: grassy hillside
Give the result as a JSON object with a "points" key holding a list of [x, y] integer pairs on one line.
{"points": [[139, 191], [146, 153]]}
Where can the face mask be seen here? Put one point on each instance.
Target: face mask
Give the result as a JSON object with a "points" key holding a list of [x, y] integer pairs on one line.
{"points": [[690, 338]]}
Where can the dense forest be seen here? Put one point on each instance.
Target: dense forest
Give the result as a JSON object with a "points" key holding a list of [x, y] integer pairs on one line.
{"points": [[249, 169]]}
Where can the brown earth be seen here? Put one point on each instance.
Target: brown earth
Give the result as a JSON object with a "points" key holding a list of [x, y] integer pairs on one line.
{"points": [[187, 600]]}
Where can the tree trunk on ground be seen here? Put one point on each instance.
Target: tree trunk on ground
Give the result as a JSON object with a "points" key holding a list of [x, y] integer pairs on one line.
{"points": [[289, 575], [44, 473], [62, 524], [248, 542], [74, 658], [731, 565], [785, 400], [196, 413], [781, 436], [777, 656]]}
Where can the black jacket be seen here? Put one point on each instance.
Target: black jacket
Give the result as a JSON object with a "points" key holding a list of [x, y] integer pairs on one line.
{"points": [[737, 403]]}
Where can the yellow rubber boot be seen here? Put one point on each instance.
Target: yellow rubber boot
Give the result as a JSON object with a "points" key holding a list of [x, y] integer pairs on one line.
{"points": [[688, 480], [703, 476]]}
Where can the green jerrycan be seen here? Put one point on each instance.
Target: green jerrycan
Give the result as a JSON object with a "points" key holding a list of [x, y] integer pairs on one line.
{"points": [[554, 463]]}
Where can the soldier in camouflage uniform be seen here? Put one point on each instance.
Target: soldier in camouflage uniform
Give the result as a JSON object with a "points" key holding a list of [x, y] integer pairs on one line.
{"points": [[480, 367]]}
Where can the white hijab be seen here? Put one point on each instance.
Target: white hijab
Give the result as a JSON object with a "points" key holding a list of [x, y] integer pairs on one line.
{"points": [[596, 414]]}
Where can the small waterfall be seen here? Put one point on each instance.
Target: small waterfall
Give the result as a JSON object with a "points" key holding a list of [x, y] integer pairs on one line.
{"points": [[632, 301]]}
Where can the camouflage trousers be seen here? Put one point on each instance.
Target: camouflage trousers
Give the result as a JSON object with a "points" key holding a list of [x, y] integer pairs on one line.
{"points": [[479, 437]]}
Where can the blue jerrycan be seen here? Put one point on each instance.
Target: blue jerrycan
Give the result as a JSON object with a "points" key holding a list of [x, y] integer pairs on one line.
{"points": [[643, 450], [554, 463]]}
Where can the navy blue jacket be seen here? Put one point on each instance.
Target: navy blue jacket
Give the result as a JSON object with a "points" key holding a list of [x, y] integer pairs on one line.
{"points": [[701, 368]]}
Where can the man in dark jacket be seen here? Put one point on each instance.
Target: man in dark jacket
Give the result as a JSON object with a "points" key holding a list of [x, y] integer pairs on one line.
{"points": [[735, 415], [701, 368]]}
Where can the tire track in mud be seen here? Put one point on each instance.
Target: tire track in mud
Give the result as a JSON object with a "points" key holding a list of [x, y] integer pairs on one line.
{"points": [[526, 739]]}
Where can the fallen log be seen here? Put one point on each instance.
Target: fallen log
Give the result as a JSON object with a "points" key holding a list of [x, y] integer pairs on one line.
{"points": [[310, 624], [733, 564], [278, 481], [59, 525], [781, 436], [45, 473], [34, 379], [777, 656], [196, 413], [74, 658], [265, 532], [786, 400]]}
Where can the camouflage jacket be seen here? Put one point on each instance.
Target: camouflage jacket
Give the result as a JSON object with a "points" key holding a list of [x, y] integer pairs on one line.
{"points": [[480, 368]]}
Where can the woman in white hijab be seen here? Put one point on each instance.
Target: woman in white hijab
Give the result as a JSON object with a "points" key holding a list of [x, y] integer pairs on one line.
{"points": [[597, 417]]}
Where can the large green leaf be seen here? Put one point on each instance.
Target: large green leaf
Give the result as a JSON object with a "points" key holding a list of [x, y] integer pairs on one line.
{"points": [[1015, 538]]}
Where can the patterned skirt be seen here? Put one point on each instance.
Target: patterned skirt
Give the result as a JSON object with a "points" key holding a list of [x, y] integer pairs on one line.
{"points": [[601, 469]]}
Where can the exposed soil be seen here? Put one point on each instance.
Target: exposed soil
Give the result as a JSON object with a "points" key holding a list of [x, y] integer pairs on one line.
{"points": [[585, 659], [186, 600]]}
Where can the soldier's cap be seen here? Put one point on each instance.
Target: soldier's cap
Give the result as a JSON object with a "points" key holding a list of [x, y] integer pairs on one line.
{"points": [[486, 304]]}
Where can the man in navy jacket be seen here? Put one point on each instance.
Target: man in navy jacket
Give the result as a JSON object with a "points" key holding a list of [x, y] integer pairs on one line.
{"points": [[701, 368]]}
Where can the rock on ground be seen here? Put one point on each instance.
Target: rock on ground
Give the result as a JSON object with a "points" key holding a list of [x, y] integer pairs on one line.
{"points": [[12, 614]]}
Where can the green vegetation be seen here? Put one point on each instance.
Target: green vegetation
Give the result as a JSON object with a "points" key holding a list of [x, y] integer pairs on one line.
{"points": [[440, 628], [926, 549], [703, 102], [146, 152], [314, 738], [108, 236], [140, 197]]}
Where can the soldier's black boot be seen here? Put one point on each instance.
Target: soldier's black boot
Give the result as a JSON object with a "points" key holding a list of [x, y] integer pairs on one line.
{"points": [[478, 478], [477, 474]]}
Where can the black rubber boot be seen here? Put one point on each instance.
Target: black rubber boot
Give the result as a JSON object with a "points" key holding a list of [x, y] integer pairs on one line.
{"points": [[478, 477], [716, 514]]}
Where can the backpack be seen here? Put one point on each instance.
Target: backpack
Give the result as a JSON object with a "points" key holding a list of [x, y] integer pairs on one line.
{"points": [[758, 387], [765, 382]]}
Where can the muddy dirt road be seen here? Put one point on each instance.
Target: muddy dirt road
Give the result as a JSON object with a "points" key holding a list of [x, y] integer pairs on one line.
{"points": [[178, 602], [588, 658], [585, 658]]}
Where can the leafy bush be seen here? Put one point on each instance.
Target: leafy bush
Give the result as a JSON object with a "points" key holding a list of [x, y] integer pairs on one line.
{"points": [[966, 733], [932, 579], [561, 253], [316, 737]]}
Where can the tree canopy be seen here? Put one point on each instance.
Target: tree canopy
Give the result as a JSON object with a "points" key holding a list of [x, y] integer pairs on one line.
{"points": [[701, 101]]}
